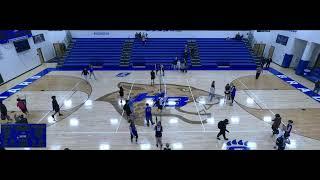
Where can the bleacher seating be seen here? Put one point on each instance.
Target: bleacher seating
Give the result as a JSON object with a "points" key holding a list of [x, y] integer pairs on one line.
{"points": [[215, 52], [314, 75], [158, 51], [96, 51]]}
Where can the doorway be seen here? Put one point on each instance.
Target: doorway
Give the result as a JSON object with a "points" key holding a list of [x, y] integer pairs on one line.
{"points": [[255, 48], [258, 49], [59, 49], [317, 64], [261, 50], [1, 79], [39, 53], [271, 50]]}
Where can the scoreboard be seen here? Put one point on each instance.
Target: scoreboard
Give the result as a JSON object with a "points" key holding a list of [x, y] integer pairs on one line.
{"points": [[23, 135]]}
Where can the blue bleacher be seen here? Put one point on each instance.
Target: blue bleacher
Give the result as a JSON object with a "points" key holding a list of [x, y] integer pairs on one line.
{"points": [[158, 51], [106, 52], [95, 51], [222, 52]]}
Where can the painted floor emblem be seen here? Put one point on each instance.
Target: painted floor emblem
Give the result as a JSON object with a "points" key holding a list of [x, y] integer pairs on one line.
{"points": [[237, 145], [123, 74]]}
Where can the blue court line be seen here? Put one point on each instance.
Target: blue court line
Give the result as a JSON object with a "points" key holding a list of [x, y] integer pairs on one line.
{"points": [[295, 84], [24, 84]]}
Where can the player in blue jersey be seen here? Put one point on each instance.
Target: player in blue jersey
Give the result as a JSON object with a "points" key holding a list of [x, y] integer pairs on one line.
{"points": [[133, 131], [148, 115], [233, 94]]}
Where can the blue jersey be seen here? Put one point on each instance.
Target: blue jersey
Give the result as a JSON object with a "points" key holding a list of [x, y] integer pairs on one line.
{"points": [[233, 92], [133, 130], [91, 69], [148, 111]]}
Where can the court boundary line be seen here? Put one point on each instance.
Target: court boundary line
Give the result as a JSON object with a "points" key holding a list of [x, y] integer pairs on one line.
{"points": [[123, 110], [62, 101], [204, 129], [308, 91], [256, 97], [150, 132]]}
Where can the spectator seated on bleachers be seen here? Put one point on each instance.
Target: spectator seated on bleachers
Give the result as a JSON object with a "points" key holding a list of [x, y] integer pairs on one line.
{"points": [[143, 39], [238, 37], [136, 36]]}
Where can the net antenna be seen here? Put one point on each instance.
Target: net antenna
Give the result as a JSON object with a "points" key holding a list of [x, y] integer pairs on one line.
{"points": [[165, 92]]}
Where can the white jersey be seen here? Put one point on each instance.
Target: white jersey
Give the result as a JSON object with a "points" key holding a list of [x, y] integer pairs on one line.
{"points": [[178, 64], [212, 89]]}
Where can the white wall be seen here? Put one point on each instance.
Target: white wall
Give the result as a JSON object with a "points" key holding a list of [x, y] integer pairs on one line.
{"points": [[46, 46], [13, 64], [309, 35], [298, 48], [269, 38], [293, 47], [56, 36], [155, 34]]}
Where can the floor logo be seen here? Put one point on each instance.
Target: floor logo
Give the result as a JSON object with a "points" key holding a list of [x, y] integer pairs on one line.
{"points": [[295, 84], [237, 145], [123, 74], [24, 84], [169, 101]]}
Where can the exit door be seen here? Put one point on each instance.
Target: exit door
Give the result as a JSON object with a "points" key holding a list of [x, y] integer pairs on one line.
{"points": [[255, 49], [59, 49], [39, 52], [1, 79], [261, 50], [271, 50], [317, 64]]}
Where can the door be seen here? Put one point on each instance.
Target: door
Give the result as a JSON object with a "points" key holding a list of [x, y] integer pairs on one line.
{"points": [[271, 50], [261, 50], [317, 64], [57, 49], [1, 79], [255, 48], [39, 52], [294, 62]]}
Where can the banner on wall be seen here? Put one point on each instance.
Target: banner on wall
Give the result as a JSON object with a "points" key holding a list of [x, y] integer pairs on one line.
{"points": [[99, 33], [282, 39]]}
